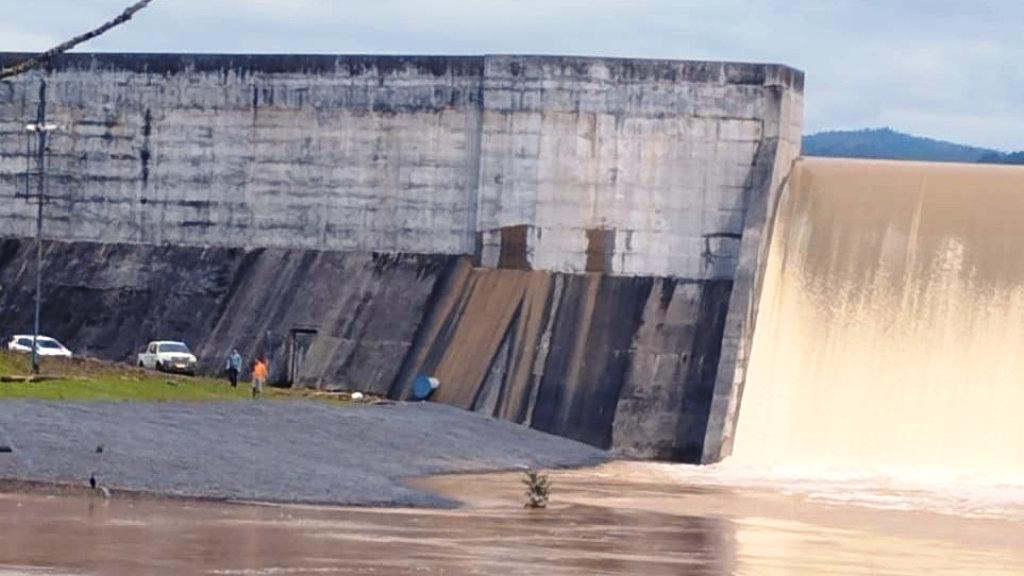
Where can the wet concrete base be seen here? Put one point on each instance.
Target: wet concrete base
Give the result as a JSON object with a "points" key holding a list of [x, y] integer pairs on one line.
{"points": [[600, 522]]}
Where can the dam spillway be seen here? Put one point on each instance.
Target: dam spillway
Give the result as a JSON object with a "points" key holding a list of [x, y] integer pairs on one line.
{"points": [[890, 328], [611, 250]]}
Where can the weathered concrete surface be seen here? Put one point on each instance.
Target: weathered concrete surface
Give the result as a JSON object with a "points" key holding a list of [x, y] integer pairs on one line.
{"points": [[620, 363], [108, 300], [738, 337], [663, 171], [664, 156], [665, 401], [336, 153], [269, 451], [639, 167]]}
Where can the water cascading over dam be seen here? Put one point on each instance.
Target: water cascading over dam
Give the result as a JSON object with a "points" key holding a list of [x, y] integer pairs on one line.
{"points": [[890, 331]]}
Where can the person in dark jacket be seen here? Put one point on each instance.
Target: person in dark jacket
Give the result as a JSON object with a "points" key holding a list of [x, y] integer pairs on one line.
{"points": [[234, 366]]}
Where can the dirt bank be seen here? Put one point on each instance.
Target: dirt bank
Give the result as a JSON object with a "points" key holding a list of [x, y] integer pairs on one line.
{"points": [[299, 451]]}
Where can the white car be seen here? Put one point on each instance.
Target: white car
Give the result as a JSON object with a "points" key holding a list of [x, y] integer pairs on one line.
{"points": [[168, 356], [45, 346]]}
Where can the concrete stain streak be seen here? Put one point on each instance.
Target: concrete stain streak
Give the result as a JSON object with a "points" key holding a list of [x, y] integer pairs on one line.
{"points": [[568, 354]]}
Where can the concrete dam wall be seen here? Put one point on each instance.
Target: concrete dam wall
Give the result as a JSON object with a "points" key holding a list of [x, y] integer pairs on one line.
{"points": [[569, 243], [639, 167], [891, 321]]}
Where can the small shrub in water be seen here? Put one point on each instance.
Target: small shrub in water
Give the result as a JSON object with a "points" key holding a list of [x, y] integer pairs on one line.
{"points": [[537, 489]]}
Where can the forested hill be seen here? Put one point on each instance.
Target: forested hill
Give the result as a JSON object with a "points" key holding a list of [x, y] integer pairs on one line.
{"points": [[890, 144]]}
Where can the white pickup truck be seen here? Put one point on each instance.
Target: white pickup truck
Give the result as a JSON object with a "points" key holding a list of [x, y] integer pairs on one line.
{"points": [[168, 356]]}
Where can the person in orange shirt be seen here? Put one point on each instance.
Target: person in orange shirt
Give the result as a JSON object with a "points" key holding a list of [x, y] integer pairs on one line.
{"points": [[259, 377]]}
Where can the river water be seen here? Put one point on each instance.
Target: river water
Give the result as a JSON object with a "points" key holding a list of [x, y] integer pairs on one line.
{"points": [[622, 518]]}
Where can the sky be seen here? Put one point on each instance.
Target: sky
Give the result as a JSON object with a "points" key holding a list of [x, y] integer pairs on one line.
{"points": [[945, 69]]}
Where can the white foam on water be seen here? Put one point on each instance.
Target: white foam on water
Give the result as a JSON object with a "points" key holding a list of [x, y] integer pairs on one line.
{"points": [[944, 492]]}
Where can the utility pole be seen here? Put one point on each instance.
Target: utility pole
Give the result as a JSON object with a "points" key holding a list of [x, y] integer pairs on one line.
{"points": [[41, 129]]}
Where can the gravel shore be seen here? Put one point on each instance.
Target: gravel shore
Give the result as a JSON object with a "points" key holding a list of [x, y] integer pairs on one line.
{"points": [[297, 452]]}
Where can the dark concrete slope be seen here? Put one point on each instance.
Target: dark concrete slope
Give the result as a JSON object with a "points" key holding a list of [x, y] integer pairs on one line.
{"points": [[359, 311], [626, 363]]}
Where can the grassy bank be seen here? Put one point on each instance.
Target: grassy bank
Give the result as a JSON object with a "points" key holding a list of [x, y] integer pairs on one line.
{"points": [[87, 379]]}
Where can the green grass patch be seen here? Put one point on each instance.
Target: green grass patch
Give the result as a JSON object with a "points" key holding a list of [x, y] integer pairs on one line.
{"points": [[87, 379]]}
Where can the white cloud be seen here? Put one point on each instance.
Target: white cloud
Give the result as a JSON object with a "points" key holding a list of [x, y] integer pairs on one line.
{"points": [[13, 39]]}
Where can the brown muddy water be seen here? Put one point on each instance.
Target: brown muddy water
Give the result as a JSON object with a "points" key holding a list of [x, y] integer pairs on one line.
{"points": [[619, 519]]}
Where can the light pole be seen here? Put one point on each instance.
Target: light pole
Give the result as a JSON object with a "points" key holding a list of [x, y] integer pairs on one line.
{"points": [[41, 129]]}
